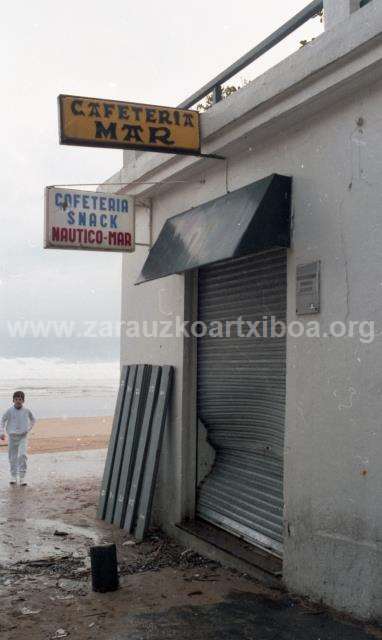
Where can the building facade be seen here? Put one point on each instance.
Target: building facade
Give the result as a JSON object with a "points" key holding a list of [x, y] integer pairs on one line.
{"points": [[274, 439]]}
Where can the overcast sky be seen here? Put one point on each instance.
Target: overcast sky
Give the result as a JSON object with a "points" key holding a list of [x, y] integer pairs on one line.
{"points": [[150, 52]]}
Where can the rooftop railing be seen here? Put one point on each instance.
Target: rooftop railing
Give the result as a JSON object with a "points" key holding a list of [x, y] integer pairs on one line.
{"points": [[214, 86]]}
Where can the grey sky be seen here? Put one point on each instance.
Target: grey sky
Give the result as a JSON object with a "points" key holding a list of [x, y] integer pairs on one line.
{"points": [[139, 51]]}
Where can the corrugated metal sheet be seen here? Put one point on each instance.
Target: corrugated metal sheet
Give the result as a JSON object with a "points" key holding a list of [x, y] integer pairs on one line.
{"points": [[120, 445], [131, 468], [110, 457], [241, 397], [134, 426], [143, 445], [153, 454]]}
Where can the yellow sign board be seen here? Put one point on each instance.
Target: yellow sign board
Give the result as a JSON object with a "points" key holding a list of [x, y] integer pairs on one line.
{"points": [[94, 122]]}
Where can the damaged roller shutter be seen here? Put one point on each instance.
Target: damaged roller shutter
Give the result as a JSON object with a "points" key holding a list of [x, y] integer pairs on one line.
{"points": [[241, 397]]}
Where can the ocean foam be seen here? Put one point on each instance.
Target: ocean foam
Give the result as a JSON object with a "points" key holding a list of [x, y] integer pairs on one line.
{"points": [[56, 370]]}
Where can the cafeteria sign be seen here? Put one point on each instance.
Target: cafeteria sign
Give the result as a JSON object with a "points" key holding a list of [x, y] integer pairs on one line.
{"points": [[88, 220], [93, 122]]}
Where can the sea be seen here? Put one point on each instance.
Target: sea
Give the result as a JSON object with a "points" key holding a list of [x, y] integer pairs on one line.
{"points": [[61, 387]]}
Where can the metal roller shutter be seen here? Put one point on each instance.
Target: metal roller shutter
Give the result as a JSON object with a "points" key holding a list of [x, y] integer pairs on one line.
{"points": [[241, 398]]}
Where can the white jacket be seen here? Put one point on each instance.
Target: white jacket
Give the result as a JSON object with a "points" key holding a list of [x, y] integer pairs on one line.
{"points": [[18, 421]]}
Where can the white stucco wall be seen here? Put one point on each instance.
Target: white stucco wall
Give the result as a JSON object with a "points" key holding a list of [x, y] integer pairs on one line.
{"points": [[331, 143], [142, 306], [333, 480], [335, 11]]}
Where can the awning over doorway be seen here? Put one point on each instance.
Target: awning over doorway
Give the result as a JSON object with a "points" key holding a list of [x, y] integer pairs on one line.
{"points": [[249, 220]]}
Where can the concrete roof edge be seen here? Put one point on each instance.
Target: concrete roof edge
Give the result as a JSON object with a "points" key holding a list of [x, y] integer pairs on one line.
{"points": [[334, 49], [334, 46]]}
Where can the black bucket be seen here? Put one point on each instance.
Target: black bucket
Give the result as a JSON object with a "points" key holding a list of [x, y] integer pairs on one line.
{"points": [[104, 568]]}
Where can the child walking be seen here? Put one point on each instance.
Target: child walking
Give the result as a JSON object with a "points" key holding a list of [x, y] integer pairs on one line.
{"points": [[17, 422]]}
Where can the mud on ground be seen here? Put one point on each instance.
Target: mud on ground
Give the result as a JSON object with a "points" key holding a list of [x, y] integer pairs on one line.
{"points": [[166, 591]]}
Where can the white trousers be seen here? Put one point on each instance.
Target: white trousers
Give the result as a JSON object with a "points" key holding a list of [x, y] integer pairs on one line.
{"points": [[17, 452]]}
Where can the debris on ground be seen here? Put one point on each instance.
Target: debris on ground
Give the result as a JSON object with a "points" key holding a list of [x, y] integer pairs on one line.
{"points": [[60, 633], [29, 612], [62, 566], [46, 590], [61, 534], [159, 551], [73, 586]]}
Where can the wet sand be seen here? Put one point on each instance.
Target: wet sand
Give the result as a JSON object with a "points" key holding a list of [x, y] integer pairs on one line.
{"points": [[72, 434]]}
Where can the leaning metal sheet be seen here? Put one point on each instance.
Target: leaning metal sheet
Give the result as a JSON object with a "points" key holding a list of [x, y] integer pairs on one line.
{"points": [[116, 471], [143, 445], [105, 485], [132, 438], [152, 462]]}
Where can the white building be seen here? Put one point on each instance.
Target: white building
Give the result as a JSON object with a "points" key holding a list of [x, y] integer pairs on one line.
{"points": [[296, 421]]}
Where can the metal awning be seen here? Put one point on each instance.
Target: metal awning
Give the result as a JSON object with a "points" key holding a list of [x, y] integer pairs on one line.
{"points": [[252, 219]]}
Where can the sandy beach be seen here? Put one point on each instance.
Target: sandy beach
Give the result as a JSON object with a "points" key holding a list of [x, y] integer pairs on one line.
{"points": [[72, 434]]}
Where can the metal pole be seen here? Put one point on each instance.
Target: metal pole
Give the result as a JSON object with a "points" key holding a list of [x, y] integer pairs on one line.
{"points": [[217, 93]]}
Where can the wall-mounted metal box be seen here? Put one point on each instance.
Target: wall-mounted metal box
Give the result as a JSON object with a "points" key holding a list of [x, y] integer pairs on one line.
{"points": [[308, 288]]}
